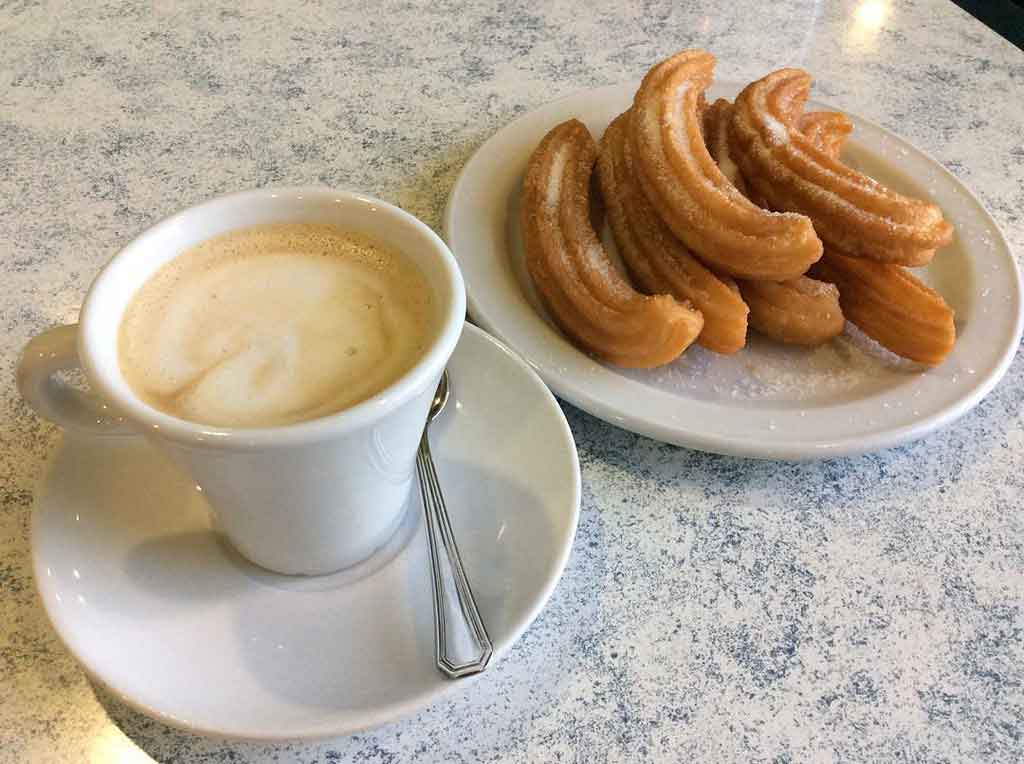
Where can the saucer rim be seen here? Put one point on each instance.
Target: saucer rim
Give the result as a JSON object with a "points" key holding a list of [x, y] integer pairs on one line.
{"points": [[364, 720]]}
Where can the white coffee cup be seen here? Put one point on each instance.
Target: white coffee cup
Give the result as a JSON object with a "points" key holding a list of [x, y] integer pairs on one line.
{"points": [[311, 497]]}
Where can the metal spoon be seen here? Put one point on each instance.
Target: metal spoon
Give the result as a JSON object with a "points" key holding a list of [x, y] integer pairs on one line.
{"points": [[461, 644]]}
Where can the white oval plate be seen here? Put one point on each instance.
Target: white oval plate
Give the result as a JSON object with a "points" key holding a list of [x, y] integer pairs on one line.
{"points": [[768, 400], [180, 627]]}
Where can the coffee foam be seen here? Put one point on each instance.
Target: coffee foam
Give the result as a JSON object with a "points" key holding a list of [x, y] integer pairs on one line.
{"points": [[275, 324]]}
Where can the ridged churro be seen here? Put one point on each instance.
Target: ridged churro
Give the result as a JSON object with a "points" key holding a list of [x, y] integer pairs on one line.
{"points": [[850, 211], [798, 311], [696, 201], [891, 306], [801, 311], [655, 258], [717, 118], [887, 302], [576, 279], [826, 129]]}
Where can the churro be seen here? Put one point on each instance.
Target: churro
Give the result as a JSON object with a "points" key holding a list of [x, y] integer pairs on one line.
{"points": [[798, 311], [891, 306], [717, 118], [826, 129], [850, 211], [801, 311], [587, 297], [655, 258], [696, 201], [887, 302]]}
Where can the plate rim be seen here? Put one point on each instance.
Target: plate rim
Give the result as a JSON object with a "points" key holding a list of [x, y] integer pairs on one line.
{"points": [[796, 449], [394, 712]]}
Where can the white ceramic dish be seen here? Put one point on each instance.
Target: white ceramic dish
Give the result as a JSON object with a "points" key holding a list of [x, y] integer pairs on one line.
{"points": [[174, 622], [767, 401]]}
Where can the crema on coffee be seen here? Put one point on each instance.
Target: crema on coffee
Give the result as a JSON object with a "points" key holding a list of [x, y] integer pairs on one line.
{"points": [[275, 324]]}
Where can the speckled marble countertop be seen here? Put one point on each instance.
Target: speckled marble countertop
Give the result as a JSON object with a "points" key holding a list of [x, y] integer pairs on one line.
{"points": [[867, 609]]}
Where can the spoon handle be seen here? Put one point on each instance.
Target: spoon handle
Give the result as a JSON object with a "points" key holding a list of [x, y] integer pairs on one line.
{"points": [[462, 645]]}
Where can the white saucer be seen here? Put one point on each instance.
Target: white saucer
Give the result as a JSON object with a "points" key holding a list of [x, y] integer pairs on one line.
{"points": [[768, 400], [159, 610]]}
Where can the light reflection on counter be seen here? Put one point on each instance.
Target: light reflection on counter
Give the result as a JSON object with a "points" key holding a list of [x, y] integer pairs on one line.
{"points": [[871, 13], [868, 18], [111, 746]]}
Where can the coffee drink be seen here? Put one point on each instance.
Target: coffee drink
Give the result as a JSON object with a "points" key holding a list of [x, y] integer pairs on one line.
{"points": [[275, 324]]}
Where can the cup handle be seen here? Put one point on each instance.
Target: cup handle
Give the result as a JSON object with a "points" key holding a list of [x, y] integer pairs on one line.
{"points": [[73, 409]]}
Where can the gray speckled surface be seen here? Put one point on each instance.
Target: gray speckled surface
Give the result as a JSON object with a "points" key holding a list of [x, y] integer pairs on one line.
{"points": [[867, 609]]}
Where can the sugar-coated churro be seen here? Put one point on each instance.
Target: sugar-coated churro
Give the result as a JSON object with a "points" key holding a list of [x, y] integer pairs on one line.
{"points": [[577, 281], [801, 311], [850, 210], [798, 311], [891, 306], [696, 201], [655, 258], [826, 129]]}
